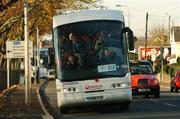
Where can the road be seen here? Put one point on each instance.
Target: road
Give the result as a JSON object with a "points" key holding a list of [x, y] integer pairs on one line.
{"points": [[166, 107]]}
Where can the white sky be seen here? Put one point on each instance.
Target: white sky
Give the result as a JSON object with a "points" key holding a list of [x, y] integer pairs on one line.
{"points": [[158, 10]]}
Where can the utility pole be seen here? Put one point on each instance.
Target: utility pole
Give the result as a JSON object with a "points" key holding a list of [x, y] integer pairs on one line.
{"points": [[37, 47], [169, 28], [26, 57], [146, 33], [37, 56], [162, 67]]}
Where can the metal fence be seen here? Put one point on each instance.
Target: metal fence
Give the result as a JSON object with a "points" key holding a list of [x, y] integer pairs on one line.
{"points": [[14, 78]]}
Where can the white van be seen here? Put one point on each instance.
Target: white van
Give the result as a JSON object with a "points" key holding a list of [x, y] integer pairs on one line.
{"points": [[43, 73]]}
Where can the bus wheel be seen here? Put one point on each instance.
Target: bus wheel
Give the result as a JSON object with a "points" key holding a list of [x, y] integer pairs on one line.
{"points": [[64, 110], [124, 107]]}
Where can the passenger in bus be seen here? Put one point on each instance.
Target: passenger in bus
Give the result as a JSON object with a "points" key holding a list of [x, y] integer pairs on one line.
{"points": [[99, 45], [88, 49], [77, 46], [72, 62], [87, 41], [76, 43], [65, 44], [108, 56]]}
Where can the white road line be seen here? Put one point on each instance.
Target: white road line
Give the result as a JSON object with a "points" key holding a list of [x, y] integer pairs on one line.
{"points": [[142, 116], [170, 104], [154, 100]]}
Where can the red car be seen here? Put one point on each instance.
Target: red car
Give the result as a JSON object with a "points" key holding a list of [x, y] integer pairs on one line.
{"points": [[144, 81], [175, 82]]}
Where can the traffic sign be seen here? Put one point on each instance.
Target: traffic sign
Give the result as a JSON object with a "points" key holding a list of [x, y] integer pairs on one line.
{"points": [[15, 49]]}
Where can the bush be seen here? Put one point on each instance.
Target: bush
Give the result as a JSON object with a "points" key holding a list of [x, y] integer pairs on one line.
{"points": [[166, 69], [171, 70], [178, 61], [157, 68]]}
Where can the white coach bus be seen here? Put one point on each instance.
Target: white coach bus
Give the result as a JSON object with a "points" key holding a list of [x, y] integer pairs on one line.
{"points": [[91, 54]]}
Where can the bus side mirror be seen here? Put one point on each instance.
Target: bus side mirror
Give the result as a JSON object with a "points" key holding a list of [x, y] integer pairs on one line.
{"points": [[51, 56], [130, 37]]}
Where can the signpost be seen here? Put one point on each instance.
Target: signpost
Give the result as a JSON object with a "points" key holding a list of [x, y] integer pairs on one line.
{"points": [[15, 49]]}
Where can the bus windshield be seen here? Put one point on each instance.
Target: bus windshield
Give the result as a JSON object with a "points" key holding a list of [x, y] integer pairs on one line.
{"points": [[91, 49]]}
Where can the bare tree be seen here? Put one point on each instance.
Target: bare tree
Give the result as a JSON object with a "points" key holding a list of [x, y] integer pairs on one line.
{"points": [[40, 13], [158, 36]]}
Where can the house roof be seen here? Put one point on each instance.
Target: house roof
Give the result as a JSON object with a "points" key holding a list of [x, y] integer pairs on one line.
{"points": [[177, 33]]}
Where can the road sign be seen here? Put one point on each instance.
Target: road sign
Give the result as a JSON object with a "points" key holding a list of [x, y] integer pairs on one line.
{"points": [[15, 49]]}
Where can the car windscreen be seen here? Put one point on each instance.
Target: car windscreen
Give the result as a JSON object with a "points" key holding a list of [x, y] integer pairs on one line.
{"points": [[140, 69]]}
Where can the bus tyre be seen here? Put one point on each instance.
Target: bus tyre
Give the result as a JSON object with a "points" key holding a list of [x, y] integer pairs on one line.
{"points": [[64, 110], [124, 107]]}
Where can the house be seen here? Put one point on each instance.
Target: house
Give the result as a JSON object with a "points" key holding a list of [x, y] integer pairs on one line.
{"points": [[175, 43]]}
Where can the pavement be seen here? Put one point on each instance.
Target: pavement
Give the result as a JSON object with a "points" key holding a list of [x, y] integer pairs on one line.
{"points": [[13, 106]]}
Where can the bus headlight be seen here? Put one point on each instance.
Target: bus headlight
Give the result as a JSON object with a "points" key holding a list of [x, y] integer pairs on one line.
{"points": [[120, 85], [125, 85], [68, 90], [65, 90]]}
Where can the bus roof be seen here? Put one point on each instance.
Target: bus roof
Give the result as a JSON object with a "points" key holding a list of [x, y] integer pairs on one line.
{"points": [[87, 15]]}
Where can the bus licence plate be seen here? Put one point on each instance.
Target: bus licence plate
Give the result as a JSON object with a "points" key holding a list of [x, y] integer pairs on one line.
{"points": [[94, 98], [144, 90]]}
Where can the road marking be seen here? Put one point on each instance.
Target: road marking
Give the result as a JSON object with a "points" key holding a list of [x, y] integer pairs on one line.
{"points": [[157, 101], [154, 100], [142, 116], [170, 104]]}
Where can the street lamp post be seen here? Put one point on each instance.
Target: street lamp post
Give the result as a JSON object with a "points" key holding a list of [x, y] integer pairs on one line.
{"points": [[26, 57], [169, 28], [128, 12], [146, 34]]}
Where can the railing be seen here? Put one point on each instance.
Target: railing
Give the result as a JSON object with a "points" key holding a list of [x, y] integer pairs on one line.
{"points": [[13, 78]]}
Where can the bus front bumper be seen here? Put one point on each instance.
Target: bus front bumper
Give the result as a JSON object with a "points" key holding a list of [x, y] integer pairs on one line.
{"points": [[117, 96]]}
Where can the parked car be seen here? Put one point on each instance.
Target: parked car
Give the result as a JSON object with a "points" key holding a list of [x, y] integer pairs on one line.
{"points": [[144, 81], [42, 73], [51, 74], [175, 82]]}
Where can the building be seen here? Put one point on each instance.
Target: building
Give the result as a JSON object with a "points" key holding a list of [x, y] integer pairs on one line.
{"points": [[175, 43], [154, 53]]}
